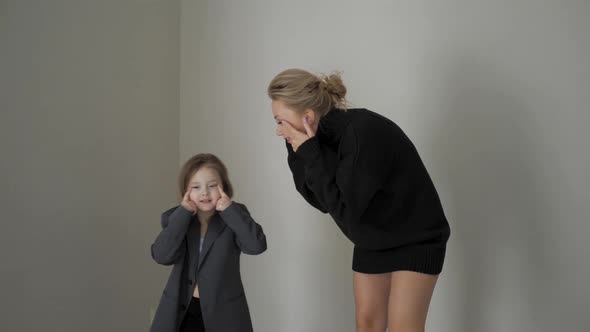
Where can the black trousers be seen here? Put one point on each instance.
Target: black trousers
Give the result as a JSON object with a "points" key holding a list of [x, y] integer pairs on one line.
{"points": [[193, 320]]}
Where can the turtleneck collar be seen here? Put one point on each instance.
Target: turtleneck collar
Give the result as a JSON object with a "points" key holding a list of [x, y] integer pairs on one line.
{"points": [[332, 125]]}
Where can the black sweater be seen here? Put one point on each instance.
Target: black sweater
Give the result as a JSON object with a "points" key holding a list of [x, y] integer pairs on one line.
{"points": [[365, 172]]}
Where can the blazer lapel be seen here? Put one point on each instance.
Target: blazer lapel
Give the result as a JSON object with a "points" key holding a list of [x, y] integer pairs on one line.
{"points": [[216, 225]]}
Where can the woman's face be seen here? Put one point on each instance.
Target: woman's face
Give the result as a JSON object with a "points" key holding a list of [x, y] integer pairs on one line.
{"points": [[282, 113]]}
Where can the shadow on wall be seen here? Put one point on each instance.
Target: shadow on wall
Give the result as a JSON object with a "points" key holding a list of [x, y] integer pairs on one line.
{"points": [[500, 212]]}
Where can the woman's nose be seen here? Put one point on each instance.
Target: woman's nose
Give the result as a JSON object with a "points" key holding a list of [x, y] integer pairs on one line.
{"points": [[278, 131]]}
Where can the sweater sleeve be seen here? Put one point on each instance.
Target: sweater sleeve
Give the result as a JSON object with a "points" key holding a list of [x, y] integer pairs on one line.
{"points": [[297, 167], [346, 190]]}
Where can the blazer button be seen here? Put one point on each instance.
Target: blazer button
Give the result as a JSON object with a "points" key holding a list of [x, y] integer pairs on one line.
{"points": [[182, 307], [190, 282]]}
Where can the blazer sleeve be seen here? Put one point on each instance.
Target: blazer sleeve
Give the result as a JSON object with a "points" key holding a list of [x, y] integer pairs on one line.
{"points": [[168, 247], [250, 237]]}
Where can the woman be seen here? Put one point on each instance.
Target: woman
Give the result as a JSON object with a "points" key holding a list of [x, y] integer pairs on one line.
{"points": [[362, 169]]}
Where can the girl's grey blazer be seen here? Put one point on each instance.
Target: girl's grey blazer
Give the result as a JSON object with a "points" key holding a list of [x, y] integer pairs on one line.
{"points": [[216, 269]]}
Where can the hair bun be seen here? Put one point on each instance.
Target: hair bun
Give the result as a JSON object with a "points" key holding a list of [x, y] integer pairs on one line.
{"points": [[334, 86]]}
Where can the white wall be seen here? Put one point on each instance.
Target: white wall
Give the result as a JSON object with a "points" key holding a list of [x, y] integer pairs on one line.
{"points": [[89, 142], [494, 94]]}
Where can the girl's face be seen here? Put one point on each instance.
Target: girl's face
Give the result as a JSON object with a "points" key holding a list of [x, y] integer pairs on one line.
{"points": [[203, 189], [282, 113]]}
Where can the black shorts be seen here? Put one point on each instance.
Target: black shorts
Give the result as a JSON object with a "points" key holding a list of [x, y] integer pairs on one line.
{"points": [[193, 320]]}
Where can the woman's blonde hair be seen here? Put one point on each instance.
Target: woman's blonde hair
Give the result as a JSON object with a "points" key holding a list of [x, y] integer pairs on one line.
{"points": [[301, 90]]}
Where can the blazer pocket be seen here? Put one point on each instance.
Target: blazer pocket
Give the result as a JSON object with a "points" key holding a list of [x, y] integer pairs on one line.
{"points": [[231, 297]]}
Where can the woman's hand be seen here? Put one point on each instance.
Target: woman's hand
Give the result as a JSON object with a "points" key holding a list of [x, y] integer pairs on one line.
{"points": [[296, 137]]}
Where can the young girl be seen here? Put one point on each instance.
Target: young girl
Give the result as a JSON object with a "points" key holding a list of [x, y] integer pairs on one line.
{"points": [[362, 169], [203, 238]]}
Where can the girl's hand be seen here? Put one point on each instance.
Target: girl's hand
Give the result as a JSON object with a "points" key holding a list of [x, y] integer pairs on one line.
{"points": [[296, 137], [224, 201], [187, 203]]}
